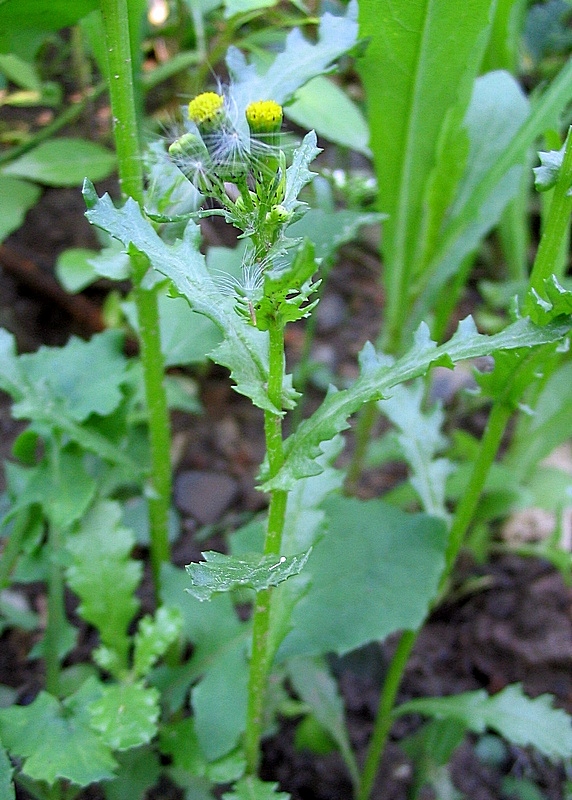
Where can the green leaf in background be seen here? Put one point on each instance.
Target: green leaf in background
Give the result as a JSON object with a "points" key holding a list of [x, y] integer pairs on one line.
{"points": [[321, 105], [16, 199], [380, 374], [314, 684], [25, 23], [220, 641], [139, 770], [365, 587], [222, 573], [7, 791], [125, 715], [420, 62], [421, 439], [104, 576], [154, 636], [300, 61], [233, 7], [74, 269], [64, 162], [251, 788], [430, 749], [56, 740], [330, 229], [245, 349], [510, 713]]}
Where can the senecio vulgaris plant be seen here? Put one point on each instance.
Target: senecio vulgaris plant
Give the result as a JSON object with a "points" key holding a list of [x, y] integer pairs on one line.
{"points": [[317, 554]]}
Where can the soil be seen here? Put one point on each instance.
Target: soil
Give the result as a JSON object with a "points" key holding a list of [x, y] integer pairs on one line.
{"points": [[514, 625]]}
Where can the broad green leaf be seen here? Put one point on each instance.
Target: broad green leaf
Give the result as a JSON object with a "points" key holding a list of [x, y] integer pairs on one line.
{"points": [[322, 106], [245, 349], [138, 771], [56, 741], [314, 684], [511, 713], [379, 375], [219, 702], [74, 269], [420, 62], [154, 636], [222, 573], [17, 197], [104, 576], [125, 715], [21, 72], [7, 791], [300, 61], [421, 439], [366, 585], [251, 788], [64, 162], [57, 377]]}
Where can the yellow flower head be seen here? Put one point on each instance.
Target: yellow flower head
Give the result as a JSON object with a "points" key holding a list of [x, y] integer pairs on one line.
{"points": [[206, 109], [264, 116]]}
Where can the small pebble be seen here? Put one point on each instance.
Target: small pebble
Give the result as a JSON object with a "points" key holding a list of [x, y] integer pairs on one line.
{"points": [[205, 496]]}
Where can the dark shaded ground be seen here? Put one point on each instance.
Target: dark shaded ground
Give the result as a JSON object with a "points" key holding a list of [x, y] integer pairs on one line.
{"points": [[518, 628]]}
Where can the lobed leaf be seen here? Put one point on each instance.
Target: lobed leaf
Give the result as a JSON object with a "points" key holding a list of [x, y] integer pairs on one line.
{"points": [[154, 636], [104, 576], [510, 713], [298, 174], [125, 715], [547, 174], [56, 740], [244, 349], [300, 61], [222, 573], [251, 788], [379, 375]]}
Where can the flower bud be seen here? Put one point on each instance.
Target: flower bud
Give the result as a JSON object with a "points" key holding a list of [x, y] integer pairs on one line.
{"points": [[264, 116], [206, 110]]}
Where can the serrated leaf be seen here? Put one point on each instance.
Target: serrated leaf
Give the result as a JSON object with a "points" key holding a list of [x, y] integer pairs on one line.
{"points": [[300, 61], [56, 741], [64, 162], [365, 586], [125, 715], [379, 376], [57, 376], [154, 636], [7, 791], [245, 349], [104, 576], [556, 301], [510, 713], [251, 788], [547, 174], [298, 174], [222, 573], [420, 439]]}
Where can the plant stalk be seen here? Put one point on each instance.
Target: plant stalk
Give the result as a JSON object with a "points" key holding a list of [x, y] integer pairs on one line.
{"points": [[259, 659], [116, 23], [557, 221]]}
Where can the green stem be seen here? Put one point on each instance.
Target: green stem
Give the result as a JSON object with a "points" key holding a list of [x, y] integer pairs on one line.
{"points": [[56, 615], [365, 422], [116, 23], [260, 656], [557, 221], [384, 718]]}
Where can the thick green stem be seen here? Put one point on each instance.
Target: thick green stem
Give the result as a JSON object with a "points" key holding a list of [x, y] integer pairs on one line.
{"points": [[557, 221], [116, 22], [260, 657]]}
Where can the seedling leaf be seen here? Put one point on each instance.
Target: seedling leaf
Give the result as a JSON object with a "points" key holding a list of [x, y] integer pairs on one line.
{"points": [[510, 713], [222, 573], [125, 715], [379, 375], [56, 739], [104, 576], [365, 587], [251, 788]]}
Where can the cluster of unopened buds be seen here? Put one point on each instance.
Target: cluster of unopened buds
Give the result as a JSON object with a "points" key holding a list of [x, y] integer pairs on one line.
{"points": [[219, 154]]}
